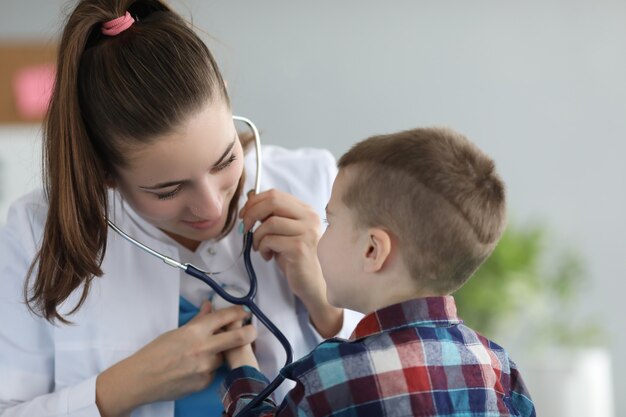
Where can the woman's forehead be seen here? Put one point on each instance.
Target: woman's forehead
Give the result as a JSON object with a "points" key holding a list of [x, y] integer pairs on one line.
{"points": [[202, 139]]}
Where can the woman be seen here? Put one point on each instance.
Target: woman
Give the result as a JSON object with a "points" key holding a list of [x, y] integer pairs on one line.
{"points": [[140, 131]]}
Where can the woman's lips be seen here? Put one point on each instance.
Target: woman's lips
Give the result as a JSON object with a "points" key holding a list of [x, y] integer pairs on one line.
{"points": [[202, 224]]}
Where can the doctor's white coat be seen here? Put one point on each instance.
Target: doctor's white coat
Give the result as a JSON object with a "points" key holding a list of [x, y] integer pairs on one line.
{"points": [[50, 370]]}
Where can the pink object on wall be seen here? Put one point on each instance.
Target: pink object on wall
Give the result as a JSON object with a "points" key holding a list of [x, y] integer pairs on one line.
{"points": [[33, 88]]}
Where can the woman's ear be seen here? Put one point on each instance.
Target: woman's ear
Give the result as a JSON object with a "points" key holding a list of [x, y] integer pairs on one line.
{"points": [[377, 250], [109, 180]]}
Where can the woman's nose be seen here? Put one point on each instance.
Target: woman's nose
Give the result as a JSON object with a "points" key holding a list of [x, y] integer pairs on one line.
{"points": [[208, 202]]}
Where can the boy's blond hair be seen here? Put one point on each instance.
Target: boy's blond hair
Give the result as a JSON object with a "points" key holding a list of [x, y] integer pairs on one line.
{"points": [[436, 193]]}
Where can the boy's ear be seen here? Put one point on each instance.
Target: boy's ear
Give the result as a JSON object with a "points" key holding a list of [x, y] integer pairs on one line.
{"points": [[377, 250]]}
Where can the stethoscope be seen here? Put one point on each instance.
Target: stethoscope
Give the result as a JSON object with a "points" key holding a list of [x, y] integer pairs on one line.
{"points": [[246, 300]]}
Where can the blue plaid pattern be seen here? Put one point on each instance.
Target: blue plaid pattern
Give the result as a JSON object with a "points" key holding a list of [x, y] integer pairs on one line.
{"points": [[410, 359]]}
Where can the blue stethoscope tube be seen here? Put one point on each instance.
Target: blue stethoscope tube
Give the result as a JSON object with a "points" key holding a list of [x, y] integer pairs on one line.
{"points": [[246, 300]]}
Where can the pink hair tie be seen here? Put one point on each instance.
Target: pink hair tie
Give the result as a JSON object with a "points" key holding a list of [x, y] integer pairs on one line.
{"points": [[118, 25]]}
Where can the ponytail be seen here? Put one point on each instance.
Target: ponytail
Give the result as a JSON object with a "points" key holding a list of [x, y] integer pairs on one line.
{"points": [[75, 232]]}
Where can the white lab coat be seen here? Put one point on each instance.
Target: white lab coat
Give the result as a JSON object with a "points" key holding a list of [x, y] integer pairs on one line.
{"points": [[50, 370]]}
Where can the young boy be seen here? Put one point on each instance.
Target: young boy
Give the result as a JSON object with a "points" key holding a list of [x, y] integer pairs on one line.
{"points": [[411, 217]]}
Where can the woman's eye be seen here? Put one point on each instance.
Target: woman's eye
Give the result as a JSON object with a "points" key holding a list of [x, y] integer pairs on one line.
{"points": [[168, 195], [226, 163]]}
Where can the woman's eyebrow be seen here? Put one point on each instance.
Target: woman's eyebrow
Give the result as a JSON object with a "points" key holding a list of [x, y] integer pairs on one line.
{"points": [[163, 185], [226, 152], [177, 182]]}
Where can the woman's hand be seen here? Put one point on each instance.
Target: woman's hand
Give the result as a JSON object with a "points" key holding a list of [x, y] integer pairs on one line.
{"points": [[177, 363], [289, 232]]}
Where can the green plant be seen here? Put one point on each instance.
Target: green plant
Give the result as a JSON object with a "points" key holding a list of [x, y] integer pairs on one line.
{"points": [[528, 283]]}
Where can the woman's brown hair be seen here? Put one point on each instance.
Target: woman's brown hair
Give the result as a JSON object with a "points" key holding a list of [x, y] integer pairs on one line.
{"points": [[111, 94]]}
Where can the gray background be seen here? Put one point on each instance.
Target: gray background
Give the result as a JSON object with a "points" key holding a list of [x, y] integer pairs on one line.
{"points": [[539, 85]]}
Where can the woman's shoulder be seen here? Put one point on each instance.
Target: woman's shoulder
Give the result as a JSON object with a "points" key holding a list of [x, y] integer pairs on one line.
{"points": [[26, 217], [309, 155], [32, 206], [307, 173]]}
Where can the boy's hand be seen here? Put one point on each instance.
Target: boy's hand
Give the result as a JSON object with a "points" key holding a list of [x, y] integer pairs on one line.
{"points": [[242, 355]]}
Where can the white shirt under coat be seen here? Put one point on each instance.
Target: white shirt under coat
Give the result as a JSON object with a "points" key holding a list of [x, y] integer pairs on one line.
{"points": [[50, 370]]}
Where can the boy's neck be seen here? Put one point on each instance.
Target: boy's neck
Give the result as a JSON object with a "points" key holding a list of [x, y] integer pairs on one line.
{"points": [[399, 291]]}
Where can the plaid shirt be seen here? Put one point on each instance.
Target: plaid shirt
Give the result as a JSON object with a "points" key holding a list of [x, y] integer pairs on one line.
{"points": [[410, 359]]}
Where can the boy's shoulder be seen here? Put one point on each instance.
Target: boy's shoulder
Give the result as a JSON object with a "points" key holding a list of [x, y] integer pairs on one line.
{"points": [[394, 350], [339, 360]]}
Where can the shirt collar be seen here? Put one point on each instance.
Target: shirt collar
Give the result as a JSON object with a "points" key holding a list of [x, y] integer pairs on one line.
{"points": [[429, 311]]}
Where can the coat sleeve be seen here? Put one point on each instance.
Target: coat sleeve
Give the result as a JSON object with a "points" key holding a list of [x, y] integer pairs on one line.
{"points": [[244, 383], [26, 340]]}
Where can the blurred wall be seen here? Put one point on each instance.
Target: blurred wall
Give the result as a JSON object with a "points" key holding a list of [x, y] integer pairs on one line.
{"points": [[540, 85]]}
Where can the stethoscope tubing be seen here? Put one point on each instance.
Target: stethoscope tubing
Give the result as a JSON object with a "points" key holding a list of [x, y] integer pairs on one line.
{"points": [[247, 300], [257, 148]]}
